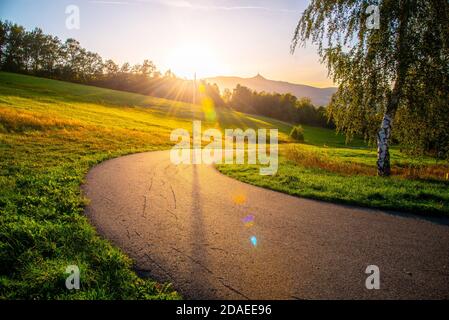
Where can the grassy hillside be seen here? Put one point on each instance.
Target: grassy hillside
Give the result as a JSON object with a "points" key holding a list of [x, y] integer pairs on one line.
{"points": [[51, 133], [325, 168]]}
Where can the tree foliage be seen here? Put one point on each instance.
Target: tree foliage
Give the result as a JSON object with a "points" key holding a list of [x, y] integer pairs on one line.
{"points": [[400, 70], [38, 54], [285, 107], [297, 133]]}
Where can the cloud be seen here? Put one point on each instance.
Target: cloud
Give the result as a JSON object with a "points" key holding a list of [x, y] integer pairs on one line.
{"points": [[190, 5], [175, 3], [110, 2]]}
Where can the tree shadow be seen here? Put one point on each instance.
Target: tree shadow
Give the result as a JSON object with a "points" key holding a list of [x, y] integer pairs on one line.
{"points": [[200, 273]]}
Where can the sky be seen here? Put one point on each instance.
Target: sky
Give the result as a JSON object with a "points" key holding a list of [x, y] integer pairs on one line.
{"points": [[207, 37]]}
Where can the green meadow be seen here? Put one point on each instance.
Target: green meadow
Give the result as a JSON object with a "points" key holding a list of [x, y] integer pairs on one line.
{"points": [[326, 167], [52, 133]]}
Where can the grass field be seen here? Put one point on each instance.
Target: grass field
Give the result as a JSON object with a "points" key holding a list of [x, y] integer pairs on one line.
{"points": [[328, 169], [52, 132]]}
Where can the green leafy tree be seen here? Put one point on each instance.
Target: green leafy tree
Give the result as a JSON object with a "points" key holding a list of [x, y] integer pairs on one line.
{"points": [[14, 49], [395, 71], [51, 57], [242, 99], [4, 29], [111, 68], [35, 46], [92, 66], [72, 54]]}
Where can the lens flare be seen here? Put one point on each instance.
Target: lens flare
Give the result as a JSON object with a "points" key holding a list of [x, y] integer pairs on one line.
{"points": [[249, 221], [208, 107], [239, 199], [254, 241]]}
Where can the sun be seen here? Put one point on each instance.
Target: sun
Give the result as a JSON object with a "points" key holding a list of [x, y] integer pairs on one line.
{"points": [[189, 59]]}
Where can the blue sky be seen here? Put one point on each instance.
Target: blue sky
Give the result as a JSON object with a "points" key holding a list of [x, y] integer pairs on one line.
{"points": [[210, 37]]}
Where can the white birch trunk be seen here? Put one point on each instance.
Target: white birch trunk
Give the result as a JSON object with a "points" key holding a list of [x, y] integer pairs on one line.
{"points": [[383, 153]]}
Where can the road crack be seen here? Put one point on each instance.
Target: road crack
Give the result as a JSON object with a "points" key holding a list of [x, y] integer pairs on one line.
{"points": [[233, 289], [193, 260], [174, 196], [144, 206], [158, 265]]}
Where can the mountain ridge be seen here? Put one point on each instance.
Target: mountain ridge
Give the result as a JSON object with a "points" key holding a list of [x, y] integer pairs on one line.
{"points": [[318, 96]]}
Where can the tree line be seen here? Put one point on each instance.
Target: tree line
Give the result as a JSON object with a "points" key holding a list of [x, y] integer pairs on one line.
{"points": [[35, 53], [284, 107], [38, 54]]}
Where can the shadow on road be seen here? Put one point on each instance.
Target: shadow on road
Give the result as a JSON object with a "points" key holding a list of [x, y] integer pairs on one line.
{"points": [[199, 271]]}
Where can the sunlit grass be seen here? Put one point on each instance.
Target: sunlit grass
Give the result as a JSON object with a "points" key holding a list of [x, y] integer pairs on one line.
{"points": [[51, 134], [348, 176]]}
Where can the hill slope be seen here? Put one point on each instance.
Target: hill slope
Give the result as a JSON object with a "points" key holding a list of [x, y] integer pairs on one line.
{"points": [[319, 96], [51, 134]]}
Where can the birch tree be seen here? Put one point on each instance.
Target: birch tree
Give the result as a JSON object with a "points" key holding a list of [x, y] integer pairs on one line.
{"points": [[377, 53]]}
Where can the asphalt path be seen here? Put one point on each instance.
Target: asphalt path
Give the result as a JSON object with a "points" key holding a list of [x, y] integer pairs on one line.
{"points": [[216, 238]]}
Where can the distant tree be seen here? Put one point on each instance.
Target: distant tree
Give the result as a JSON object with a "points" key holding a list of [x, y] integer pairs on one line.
{"points": [[4, 29], [111, 68], [211, 91], [227, 95], [324, 121], [169, 74], [148, 68], [136, 69], [307, 113], [92, 66], [72, 55], [125, 68], [242, 99], [35, 42], [399, 72], [14, 49], [285, 107], [52, 57]]}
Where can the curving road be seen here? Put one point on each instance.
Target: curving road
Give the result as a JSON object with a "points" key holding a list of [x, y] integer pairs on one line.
{"points": [[217, 238]]}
